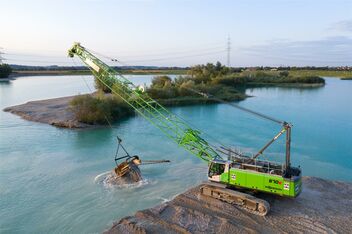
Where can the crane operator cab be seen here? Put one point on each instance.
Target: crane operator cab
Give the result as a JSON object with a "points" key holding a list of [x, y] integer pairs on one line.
{"points": [[216, 169]]}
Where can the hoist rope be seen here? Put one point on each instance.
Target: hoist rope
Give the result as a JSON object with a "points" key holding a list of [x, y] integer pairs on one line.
{"points": [[212, 97], [180, 117]]}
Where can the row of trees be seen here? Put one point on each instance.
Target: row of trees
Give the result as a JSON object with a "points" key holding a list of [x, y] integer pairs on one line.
{"points": [[265, 77], [220, 81], [200, 78], [213, 79]]}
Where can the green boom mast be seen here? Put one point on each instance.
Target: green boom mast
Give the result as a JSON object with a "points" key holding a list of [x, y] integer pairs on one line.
{"points": [[224, 176], [170, 124]]}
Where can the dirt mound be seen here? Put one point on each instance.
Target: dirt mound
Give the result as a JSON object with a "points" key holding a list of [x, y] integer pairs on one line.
{"points": [[323, 207]]}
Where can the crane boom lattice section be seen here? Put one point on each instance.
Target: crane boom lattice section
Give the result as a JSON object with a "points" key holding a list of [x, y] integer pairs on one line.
{"points": [[170, 124]]}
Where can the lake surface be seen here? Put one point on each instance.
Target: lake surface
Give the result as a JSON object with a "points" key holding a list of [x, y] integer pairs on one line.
{"points": [[47, 174]]}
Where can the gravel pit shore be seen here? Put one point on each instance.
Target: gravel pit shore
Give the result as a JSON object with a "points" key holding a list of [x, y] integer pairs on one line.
{"points": [[322, 207], [54, 111]]}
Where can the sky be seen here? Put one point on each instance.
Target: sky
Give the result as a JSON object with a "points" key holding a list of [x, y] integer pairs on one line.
{"points": [[179, 32]]}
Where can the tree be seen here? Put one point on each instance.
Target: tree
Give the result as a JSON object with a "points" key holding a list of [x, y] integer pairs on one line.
{"points": [[160, 81], [5, 70], [218, 66], [185, 88], [103, 86]]}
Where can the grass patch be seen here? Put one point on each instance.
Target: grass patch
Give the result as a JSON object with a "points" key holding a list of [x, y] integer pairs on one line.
{"points": [[322, 73], [99, 108]]}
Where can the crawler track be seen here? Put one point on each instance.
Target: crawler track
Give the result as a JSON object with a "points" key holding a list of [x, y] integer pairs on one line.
{"points": [[242, 200]]}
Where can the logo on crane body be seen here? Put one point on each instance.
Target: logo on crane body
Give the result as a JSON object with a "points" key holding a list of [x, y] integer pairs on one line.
{"points": [[275, 181]]}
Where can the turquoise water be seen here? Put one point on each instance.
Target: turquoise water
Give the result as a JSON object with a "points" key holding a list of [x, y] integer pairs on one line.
{"points": [[47, 174]]}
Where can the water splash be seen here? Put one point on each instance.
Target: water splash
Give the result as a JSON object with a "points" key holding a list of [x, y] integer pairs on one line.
{"points": [[98, 178], [109, 180]]}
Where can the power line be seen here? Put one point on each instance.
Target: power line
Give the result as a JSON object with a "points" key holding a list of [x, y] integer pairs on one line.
{"points": [[173, 56], [228, 51], [35, 55], [208, 96], [40, 61], [158, 51], [130, 62], [179, 52], [177, 57]]}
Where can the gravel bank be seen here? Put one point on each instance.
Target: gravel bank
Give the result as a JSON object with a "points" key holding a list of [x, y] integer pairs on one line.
{"points": [[55, 111], [322, 207]]}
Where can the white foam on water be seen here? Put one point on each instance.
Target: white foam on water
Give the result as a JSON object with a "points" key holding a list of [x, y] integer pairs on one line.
{"points": [[110, 181], [164, 200], [138, 184], [98, 178]]}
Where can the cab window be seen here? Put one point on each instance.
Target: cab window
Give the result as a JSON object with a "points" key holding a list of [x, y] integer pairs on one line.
{"points": [[216, 169]]}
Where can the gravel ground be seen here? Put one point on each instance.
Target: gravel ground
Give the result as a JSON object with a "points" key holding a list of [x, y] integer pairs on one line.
{"points": [[55, 111], [323, 207]]}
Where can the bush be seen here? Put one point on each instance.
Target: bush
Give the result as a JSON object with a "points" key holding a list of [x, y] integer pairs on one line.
{"points": [[162, 87], [225, 93], [160, 81], [99, 109], [163, 93], [5, 70], [305, 80], [101, 86], [314, 79], [184, 89], [261, 77], [224, 80], [178, 81], [205, 73], [284, 73], [229, 80]]}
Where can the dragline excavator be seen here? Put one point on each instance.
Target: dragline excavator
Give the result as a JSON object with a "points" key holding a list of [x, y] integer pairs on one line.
{"points": [[231, 175]]}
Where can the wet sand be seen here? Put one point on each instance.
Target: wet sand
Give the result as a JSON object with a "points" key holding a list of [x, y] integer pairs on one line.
{"points": [[322, 207]]}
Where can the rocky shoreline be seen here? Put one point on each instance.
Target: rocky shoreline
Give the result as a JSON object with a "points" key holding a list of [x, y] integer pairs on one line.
{"points": [[322, 207]]}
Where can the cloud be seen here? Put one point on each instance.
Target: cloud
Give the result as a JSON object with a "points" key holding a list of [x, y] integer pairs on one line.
{"points": [[342, 26], [331, 51]]}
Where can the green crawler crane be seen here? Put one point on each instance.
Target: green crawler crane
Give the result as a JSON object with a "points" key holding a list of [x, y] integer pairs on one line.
{"points": [[231, 174]]}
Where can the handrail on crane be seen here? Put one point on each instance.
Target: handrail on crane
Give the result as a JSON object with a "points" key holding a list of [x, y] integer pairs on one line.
{"points": [[286, 127]]}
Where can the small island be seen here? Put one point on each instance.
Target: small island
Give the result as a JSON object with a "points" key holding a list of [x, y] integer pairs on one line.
{"points": [[215, 80]]}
